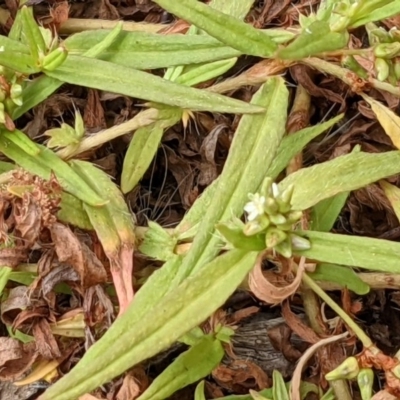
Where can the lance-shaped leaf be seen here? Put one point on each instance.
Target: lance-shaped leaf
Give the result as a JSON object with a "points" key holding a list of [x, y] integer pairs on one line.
{"points": [[72, 212], [189, 367], [292, 144], [13, 55], [5, 273], [317, 38], [104, 75], [223, 27], [363, 252], [386, 11], [344, 276], [115, 229], [31, 34], [342, 174], [182, 309], [142, 50], [257, 138], [143, 147], [325, 213], [44, 164], [42, 87]]}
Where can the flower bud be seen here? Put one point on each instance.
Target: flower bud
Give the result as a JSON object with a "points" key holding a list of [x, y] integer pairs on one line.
{"points": [[253, 227], [387, 50], [277, 219], [382, 69], [284, 248], [299, 243], [54, 59], [274, 236], [348, 369], [271, 206], [365, 380]]}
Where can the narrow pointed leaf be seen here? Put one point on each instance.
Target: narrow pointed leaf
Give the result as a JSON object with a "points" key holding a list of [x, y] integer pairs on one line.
{"points": [[293, 144], [141, 50], [257, 138], [72, 212], [344, 276], [362, 252], [103, 75], [237, 9], [342, 174], [387, 11], [198, 298], [47, 162], [325, 213], [223, 27], [189, 367], [316, 39]]}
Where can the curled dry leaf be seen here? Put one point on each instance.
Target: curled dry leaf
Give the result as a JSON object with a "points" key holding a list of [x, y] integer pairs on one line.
{"points": [[135, 382], [15, 358], [76, 254], [239, 376], [45, 342], [266, 291], [61, 273], [383, 395]]}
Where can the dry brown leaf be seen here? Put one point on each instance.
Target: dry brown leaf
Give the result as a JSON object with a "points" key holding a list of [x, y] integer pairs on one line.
{"points": [[76, 254], [45, 342], [383, 395], [15, 358], [266, 291], [61, 273], [134, 383]]}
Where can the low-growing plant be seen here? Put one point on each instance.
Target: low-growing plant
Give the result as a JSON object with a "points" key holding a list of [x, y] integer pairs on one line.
{"points": [[177, 298]]}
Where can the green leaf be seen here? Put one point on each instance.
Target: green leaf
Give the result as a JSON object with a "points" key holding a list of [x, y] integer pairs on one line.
{"points": [[387, 11], [223, 27], [23, 277], [143, 147], [189, 367], [31, 34], [233, 233], [6, 166], [325, 213], [279, 390], [237, 9], [103, 75], [34, 93], [5, 273], [195, 74], [15, 60], [257, 138], [294, 143], [158, 243], [44, 164], [199, 392], [62, 137], [141, 50], [317, 38], [344, 276], [180, 310], [363, 252], [342, 174], [72, 212]]}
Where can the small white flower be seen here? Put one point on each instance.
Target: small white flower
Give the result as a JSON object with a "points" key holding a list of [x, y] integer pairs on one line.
{"points": [[255, 207]]}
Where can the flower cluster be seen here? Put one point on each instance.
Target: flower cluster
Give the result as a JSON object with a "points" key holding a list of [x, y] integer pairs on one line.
{"points": [[269, 212]]}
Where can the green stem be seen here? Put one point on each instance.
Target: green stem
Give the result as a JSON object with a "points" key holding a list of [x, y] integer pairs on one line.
{"points": [[366, 341], [144, 118]]}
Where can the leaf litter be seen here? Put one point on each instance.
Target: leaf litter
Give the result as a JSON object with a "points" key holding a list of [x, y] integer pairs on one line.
{"points": [[70, 302]]}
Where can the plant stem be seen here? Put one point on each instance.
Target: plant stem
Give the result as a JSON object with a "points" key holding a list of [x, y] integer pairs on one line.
{"points": [[348, 76], [144, 118], [74, 25], [366, 341]]}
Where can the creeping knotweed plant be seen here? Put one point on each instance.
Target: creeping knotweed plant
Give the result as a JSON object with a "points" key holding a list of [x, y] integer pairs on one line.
{"points": [[269, 212]]}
